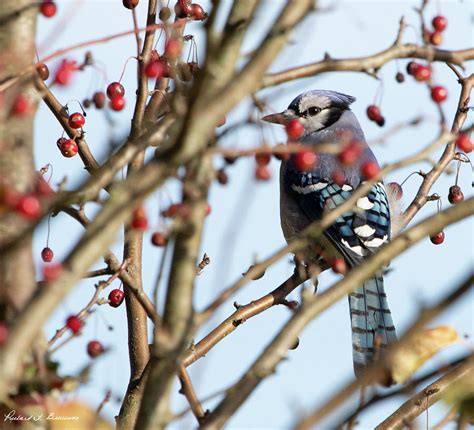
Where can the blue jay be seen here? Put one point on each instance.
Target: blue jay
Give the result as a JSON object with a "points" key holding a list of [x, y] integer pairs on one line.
{"points": [[305, 196]]}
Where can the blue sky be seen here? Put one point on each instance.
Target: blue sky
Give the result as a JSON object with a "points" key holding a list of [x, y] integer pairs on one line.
{"points": [[244, 223]]}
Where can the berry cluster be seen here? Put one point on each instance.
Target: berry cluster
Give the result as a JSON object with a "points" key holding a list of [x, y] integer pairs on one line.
{"points": [[419, 71], [373, 113], [439, 23], [116, 95], [186, 9]]}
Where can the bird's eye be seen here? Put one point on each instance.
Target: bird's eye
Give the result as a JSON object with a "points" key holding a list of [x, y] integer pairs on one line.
{"points": [[313, 110]]}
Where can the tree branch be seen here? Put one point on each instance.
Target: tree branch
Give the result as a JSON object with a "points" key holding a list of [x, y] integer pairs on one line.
{"points": [[419, 403], [371, 62]]}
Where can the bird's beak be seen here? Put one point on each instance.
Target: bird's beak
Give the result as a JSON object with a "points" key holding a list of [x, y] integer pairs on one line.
{"points": [[278, 118]]}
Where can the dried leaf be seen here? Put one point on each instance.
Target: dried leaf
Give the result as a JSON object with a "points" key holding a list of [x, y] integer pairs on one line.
{"points": [[423, 346]]}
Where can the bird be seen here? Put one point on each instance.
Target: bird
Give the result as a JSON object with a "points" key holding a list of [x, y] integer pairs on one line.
{"points": [[305, 196]]}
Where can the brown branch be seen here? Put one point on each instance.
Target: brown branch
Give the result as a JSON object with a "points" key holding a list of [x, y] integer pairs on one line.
{"points": [[378, 370], [173, 335], [419, 403], [187, 390], [98, 272], [242, 314], [371, 62], [138, 348], [266, 363]]}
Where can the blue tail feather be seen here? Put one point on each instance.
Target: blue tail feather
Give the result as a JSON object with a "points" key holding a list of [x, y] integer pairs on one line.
{"points": [[371, 322]]}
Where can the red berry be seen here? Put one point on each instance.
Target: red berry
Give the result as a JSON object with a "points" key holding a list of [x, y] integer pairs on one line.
{"points": [[74, 323], [65, 71], [455, 195], [369, 169], [28, 206], [117, 103], [396, 189], [94, 348], [130, 4], [116, 298], [115, 89], [68, 147], [436, 38], [422, 73], [437, 238], [339, 177], [439, 94], [439, 23], [21, 106], [294, 129], [51, 272], [338, 265], [172, 48], [47, 255], [262, 173], [175, 210], [412, 67], [198, 12], [263, 158], [373, 112], [76, 120], [158, 239], [350, 154], [208, 209], [43, 71], [305, 160], [99, 99], [48, 8], [155, 69], [3, 333], [464, 143]]}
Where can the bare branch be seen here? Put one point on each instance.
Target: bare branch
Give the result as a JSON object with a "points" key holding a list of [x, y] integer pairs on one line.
{"points": [[371, 62]]}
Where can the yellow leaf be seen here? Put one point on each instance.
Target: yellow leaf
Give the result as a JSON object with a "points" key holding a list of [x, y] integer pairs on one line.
{"points": [[422, 346]]}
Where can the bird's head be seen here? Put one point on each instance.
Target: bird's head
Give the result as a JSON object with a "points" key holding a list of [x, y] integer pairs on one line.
{"points": [[316, 110]]}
